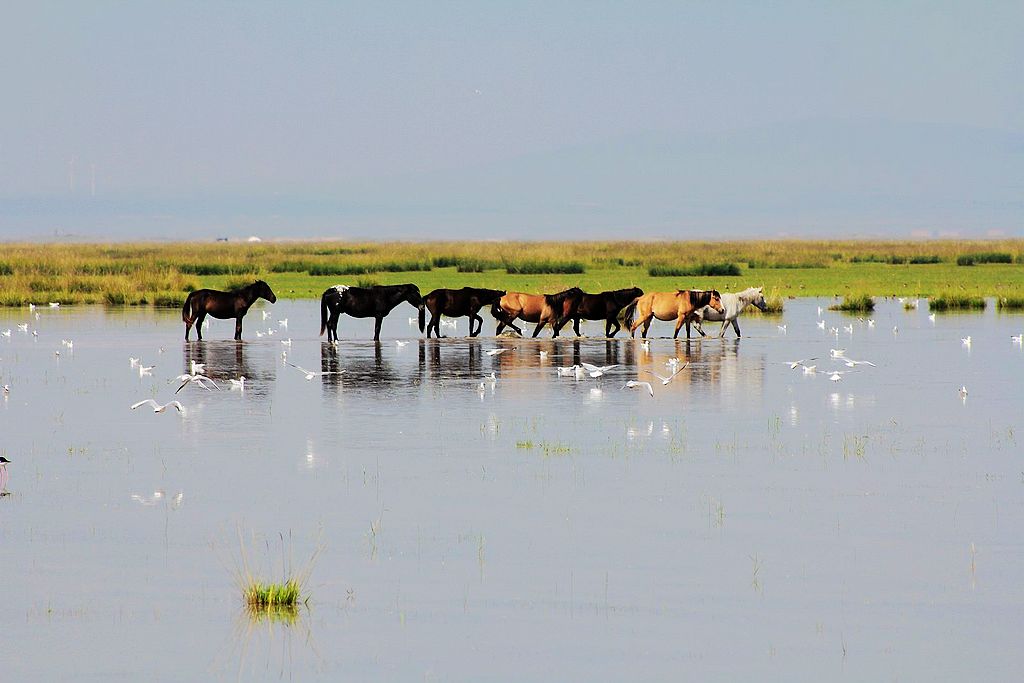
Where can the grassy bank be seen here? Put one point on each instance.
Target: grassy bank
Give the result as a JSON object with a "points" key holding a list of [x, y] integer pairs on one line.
{"points": [[162, 274]]}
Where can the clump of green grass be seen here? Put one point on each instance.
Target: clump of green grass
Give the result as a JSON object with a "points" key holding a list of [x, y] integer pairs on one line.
{"points": [[367, 282], [984, 257], [531, 267], [268, 596], [368, 267], [793, 265], [1010, 303], [263, 596], [292, 266], [700, 270], [952, 302], [857, 302]]}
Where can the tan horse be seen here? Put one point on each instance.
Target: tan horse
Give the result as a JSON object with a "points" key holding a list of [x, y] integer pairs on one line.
{"points": [[682, 305], [556, 309]]}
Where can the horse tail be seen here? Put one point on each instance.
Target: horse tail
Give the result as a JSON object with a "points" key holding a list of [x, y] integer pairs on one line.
{"points": [[496, 310], [629, 311], [323, 313], [187, 308]]}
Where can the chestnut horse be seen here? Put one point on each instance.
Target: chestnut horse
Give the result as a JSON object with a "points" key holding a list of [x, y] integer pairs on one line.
{"points": [[682, 305], [605, 306], [234, 304], [456, 303], [556, 309]]}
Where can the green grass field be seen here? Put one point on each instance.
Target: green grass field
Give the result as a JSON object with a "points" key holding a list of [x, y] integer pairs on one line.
{"points": [[162, 274]]}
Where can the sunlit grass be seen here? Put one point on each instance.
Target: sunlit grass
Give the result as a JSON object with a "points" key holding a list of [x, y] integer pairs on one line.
{"points": [[948, 301], [278, 598], [857, 303]]}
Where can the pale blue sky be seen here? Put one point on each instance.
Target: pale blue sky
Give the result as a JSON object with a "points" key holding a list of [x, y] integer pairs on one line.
{"points": [[495, 119]]}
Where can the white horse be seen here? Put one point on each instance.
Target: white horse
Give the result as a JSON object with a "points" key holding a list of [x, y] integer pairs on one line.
{"points": [[732, 305]]}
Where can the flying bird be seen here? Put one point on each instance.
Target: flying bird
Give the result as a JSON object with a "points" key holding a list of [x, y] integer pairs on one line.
{"points": [[195, 379], [495, 352], [666, 380], [793, 363], [596, 371], [310, 374], [157, 408], [633, 384]]}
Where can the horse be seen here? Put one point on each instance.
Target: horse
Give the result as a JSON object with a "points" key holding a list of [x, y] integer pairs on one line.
{"points": [[604, 306], [733, 303], [681, 305], [234, 304], [365, 302], [456, 303], [556, 309]]}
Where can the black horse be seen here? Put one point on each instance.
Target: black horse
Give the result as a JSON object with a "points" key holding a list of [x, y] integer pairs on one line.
{"points": [[234, 304], [456, 303], [604, 306], [365, 302]]}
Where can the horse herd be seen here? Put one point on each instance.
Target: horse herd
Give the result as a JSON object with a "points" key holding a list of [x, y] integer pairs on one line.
{"points": [[632, 305]]}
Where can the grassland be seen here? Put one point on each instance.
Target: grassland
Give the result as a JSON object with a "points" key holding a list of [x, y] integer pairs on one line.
{"points": [[162, 274]]}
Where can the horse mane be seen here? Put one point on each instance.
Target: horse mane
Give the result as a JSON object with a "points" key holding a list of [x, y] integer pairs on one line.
{"points": [[700, 298], [624, 296], [555, 299]]}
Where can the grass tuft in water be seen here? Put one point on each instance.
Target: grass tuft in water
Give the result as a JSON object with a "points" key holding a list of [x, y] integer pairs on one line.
{"points": [[274, 598], [953, 302], [857, 302], [1010, 303]]}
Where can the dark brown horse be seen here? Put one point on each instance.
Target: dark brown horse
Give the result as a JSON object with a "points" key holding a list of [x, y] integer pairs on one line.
{"points": [[556, 309], [365, 302], [234, 304], [456, 303], [682, 304], [604, 306]]}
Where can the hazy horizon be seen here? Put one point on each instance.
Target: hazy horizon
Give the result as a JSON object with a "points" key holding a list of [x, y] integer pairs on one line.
{"points": [[154, 121]]}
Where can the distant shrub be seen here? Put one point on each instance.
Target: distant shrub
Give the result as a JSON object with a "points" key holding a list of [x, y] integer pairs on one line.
{"points": [[6, 269], [984, 257], [470, 265], [857, 302], [784, 264], [445, 261], [367, 282], [925, 260], [292, 266], [365, 268], [701, 270], [217, 268], [947, 302], [532, 267], [169, 299]]}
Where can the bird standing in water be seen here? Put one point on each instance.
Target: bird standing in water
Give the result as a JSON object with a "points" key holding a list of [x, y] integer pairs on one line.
{"points": [[3, 476]]}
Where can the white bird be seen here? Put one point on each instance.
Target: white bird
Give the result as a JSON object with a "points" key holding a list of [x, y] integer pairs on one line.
{"points": [[482, 388], [195, 379], [196, 368], [6, 333], [871, 323], [176, 501], [834, 331], [821, 324], [22, 327], [68, 343], [633, 384], [820, 309], [266, 314], [54, 304], [837, 375], [848, 328], [399, 343], [286, 342], [1017, 339], [793, 363], [7, 389], [31, 307], [145, 369], [283, 323], [412, 320], [963, 392], [495, 352], [565, 371], [578, 372], [156, 498], [259, 335], [837, 353], [809, 369], [238, 383], [492, 378], [543, 355], [271, 332], [931, 317], [310, 374], [133, 361], [850, 363], [35, 333], [596, 371], [449, 323], [646, 345], [157, 408], [672, 363], [782, 328], [966, 341], [666, 380], [895, 329]]}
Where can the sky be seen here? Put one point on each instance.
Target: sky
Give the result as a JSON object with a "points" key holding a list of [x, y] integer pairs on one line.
{"points": [[506, 120]]}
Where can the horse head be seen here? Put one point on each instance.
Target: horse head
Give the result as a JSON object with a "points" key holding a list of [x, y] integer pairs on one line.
{"points": [[412, 295], [716, 301], [758, 299], [263, 289]]}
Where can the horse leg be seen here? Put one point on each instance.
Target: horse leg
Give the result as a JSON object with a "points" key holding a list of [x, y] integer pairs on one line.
{"points": [[376, 327], [430, 325], [679, 324], [332, 326], [576, 326], [199, 325], [238, 328], [541, 324], [608, 331], [188, 328], [735, 326]]}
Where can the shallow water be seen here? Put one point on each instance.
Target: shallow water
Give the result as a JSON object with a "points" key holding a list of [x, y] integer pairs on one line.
{"points": [[747, 522]]}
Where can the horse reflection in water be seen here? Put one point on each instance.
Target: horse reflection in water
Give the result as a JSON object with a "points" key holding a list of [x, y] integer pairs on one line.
{"points": [[226, 360]]}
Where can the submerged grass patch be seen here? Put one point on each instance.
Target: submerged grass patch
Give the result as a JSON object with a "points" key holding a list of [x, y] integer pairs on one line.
{"points": [[955, 302], [269, 596], [857, 302]]}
